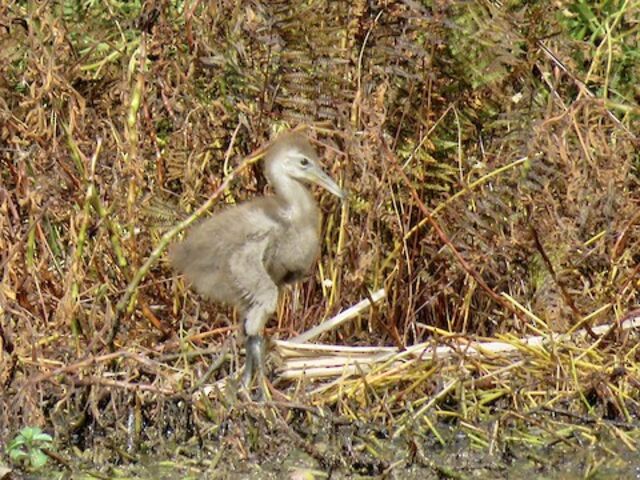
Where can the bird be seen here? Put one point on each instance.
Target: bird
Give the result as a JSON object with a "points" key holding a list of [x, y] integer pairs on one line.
{"points": [[244, 254]]}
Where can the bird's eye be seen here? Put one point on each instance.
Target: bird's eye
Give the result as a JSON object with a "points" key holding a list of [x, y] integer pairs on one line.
{"points": [[304, 162]]}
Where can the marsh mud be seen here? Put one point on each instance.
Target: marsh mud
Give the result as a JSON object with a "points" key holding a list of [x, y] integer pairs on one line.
{"points": [[265, 444]]}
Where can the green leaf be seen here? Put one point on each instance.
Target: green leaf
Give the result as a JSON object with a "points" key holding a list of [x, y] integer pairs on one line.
{"points": [[17, 455], [16, 442], [29, 432], [42, 438], [38, 458]]}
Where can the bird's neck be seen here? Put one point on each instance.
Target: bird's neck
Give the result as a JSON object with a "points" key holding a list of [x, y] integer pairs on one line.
{"points": [[297, 199]]}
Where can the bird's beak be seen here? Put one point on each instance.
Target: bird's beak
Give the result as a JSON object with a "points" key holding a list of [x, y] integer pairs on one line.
{"points": [[319, 177]]}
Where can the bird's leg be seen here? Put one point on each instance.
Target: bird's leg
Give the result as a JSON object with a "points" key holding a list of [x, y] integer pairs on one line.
{"points": [[265, 301], [254, 363], [249, 363]]}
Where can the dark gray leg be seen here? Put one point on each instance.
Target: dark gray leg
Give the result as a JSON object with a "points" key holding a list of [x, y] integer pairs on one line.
{"points": [[254, 363], [260, 299]]}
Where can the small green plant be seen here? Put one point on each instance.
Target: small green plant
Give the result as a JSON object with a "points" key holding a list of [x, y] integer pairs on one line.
{"points": [[26, 448]]}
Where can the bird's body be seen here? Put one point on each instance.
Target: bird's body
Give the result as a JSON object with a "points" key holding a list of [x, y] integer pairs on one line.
{"points": [[216, 253], [244, 253]]}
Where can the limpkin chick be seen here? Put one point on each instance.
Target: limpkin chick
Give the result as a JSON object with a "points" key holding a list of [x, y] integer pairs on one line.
{"points": [[242, 254]]}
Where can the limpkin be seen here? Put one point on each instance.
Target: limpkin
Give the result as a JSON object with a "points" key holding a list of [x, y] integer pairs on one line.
{"points": [[243, 254]]}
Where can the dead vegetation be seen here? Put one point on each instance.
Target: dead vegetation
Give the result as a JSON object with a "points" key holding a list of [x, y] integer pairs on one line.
{"points": [[491, 155]]}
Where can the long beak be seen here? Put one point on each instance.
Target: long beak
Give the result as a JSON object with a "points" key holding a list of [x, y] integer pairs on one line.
{"points": [[317, 176]]}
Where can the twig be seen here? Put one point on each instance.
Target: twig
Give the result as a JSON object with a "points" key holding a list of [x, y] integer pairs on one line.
{"points": [[341, 318], [333, 360]]}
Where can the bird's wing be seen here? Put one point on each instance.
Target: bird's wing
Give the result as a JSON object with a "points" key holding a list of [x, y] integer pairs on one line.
{"points": [[215, 253], [248, 271]]}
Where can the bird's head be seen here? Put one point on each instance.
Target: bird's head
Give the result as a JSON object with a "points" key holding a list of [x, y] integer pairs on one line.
{"points": [[292, 156]]}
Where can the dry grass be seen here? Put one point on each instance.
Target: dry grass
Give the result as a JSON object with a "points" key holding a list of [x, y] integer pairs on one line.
{"points": [[492, 162]]}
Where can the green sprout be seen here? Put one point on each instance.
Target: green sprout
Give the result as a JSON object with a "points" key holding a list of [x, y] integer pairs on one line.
{"points": [[26, 448]]}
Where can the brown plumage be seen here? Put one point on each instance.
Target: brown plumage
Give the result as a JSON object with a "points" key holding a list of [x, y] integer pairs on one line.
{"points": [[242, 254]]}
